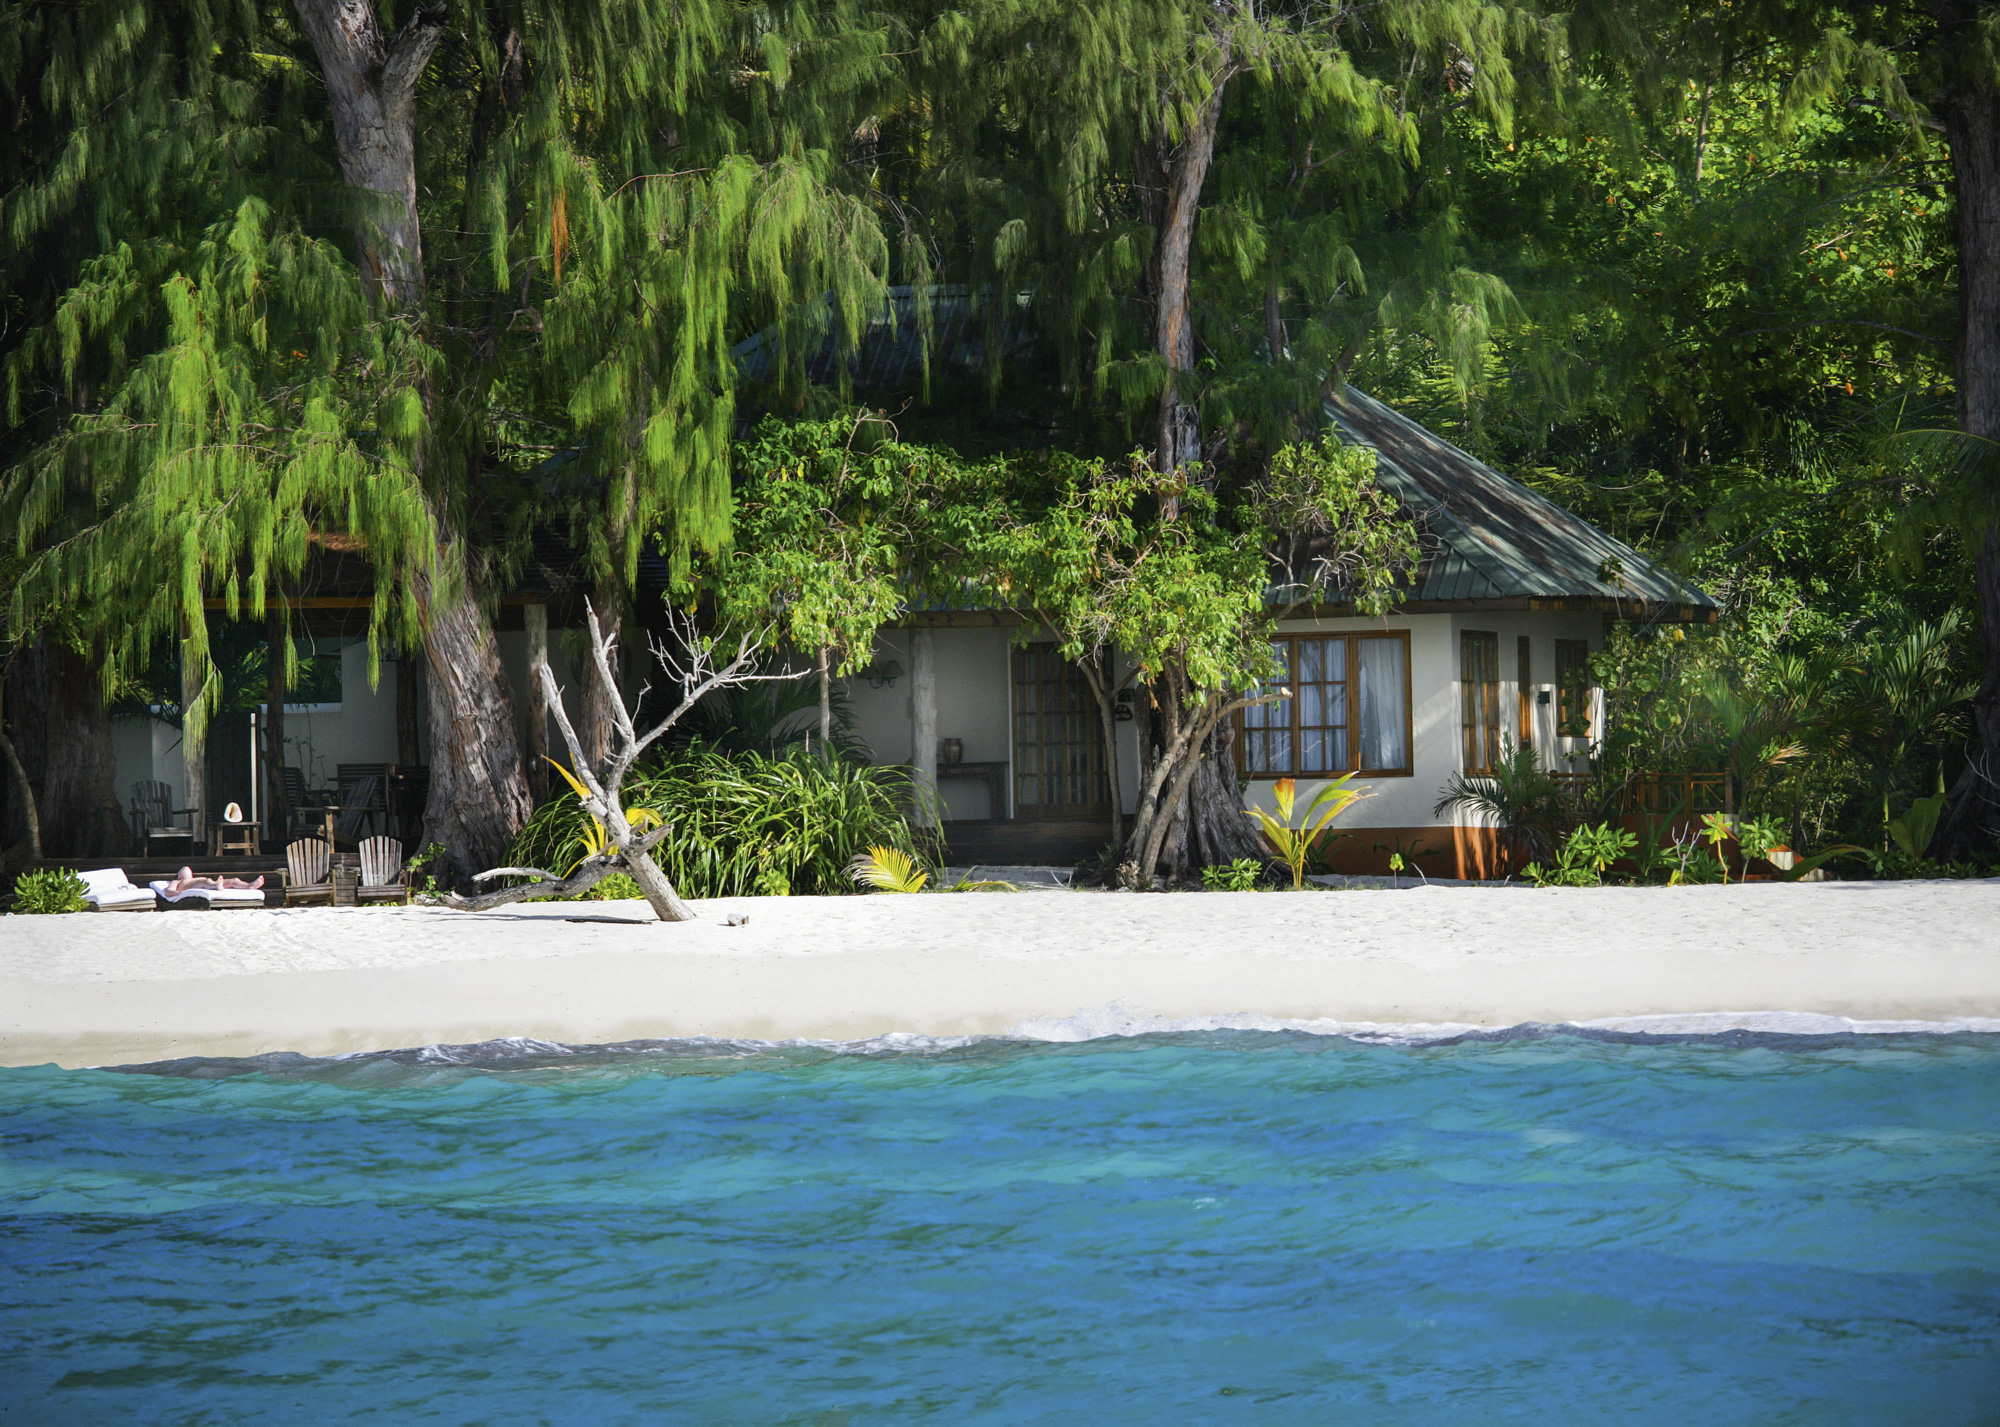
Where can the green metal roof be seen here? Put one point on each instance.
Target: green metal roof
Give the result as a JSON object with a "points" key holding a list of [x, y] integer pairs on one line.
{"points": [[1488, 537]]}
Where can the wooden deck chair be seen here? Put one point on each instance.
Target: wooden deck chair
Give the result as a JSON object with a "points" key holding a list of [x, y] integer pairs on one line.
{"points": [[154, 816], [308, 875], [382, 872]]}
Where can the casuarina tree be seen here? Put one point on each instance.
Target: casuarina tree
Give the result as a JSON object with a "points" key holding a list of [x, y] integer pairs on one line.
{"points": [[404, 283]]}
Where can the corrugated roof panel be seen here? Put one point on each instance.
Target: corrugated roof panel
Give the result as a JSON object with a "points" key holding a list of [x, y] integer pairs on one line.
{"points": [[1523, 544]]}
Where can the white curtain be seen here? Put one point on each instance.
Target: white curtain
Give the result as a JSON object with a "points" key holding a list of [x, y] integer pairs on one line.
{"points": [[1383, 715]]}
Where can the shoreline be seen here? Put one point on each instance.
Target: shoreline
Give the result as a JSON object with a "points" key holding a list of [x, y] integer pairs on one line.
{"points": [[128, 989]]}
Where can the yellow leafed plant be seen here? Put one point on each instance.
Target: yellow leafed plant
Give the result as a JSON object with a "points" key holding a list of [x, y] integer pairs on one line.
{"points": [[1294, 843], [596, 841], [887, 870]]}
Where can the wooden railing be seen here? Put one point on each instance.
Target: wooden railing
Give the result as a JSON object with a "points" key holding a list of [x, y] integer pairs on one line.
{"points": [[1656, 793]]}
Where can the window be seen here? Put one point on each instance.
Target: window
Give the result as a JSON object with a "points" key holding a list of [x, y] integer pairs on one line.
{"points": [[1573, 688], [1349, 710], [1479, 698]]}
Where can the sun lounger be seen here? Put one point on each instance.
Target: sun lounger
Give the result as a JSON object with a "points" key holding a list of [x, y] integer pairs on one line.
{"points": [[213, 898], [109, 890]]}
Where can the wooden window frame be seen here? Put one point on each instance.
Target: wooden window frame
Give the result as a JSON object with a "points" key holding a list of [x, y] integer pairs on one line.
{"points": [[1573, 696], [1486, 717], [1021, 659], [1353, 667]]}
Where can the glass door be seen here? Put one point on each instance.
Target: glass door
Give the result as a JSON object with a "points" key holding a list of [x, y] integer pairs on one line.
{"points": [[1058, 740]]}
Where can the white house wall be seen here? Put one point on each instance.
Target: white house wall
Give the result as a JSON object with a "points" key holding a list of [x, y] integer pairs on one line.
{"points": [[974, 686]]}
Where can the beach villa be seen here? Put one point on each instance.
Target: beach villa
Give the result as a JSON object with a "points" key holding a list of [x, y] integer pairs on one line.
{"points": [[1490, 650]]}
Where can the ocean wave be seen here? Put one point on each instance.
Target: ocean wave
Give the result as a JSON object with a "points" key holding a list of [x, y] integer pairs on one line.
{"points": [[1115, 1021]]}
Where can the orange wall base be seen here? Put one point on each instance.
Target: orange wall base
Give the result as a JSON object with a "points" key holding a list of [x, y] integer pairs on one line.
{"points": [[1469, 853]]}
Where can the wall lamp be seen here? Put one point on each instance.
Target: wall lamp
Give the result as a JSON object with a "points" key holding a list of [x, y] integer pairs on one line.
{"points": [[885, 675]]}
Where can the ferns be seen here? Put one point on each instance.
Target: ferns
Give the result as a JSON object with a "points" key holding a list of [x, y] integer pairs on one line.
{"points": [[745, 824]]}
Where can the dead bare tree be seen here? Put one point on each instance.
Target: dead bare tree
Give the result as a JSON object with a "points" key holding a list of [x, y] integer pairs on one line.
{"points": [[692, 662]]}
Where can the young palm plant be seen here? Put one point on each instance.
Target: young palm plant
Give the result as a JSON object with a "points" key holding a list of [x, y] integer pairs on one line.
{"points": [[1519, 797], [1293, 844]]}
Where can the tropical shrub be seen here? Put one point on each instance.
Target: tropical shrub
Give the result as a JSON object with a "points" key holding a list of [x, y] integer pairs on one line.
{"points": [[1586, 855], [1238, 876], [56, 889], [743, 824]]}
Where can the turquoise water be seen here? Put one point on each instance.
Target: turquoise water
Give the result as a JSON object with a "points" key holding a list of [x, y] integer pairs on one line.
{"points": [[1224, 1227]]}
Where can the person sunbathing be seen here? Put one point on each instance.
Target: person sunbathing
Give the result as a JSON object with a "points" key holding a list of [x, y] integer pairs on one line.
{"points": [[186, 881]]}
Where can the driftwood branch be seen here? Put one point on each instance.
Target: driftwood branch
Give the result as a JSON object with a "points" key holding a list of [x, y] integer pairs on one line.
{"points": [[696, 667], [588, 874]]}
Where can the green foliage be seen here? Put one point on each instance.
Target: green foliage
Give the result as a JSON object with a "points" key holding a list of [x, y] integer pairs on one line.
{"points": [[1586, 855], [744, 824], [831, 532], [1912, 832], [1819, 739], [52, 890], [1757, 836], [1238, 876], [1294, 844], [200, 394], [1519, 796], [773, 717], [424, 868]]}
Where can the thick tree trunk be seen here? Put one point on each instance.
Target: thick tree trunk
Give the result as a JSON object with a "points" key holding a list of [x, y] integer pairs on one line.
{"points": [[62, 737], [371, 85], [1218, 832], [1971, 116], [478, 796], [409, 708], [20, 809]]}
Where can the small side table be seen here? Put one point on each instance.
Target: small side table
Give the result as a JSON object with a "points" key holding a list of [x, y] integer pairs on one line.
{"points": [[236, 839]]}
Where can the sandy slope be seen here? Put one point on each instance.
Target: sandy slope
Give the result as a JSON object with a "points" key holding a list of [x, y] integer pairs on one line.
{"points": [[112, 989]]}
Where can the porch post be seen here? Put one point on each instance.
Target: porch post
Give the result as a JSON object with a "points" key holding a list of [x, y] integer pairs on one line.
{"points": [[923, 724], [535, 618], [194, 739], [277, 812]]}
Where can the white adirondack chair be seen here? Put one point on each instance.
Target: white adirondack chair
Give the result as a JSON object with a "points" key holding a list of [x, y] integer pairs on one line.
{"points": [[382, 877], [308, 878]]}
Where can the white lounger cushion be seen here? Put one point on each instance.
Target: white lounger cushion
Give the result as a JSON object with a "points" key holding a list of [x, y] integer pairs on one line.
{"points": [[234, 896], [110, 887]]}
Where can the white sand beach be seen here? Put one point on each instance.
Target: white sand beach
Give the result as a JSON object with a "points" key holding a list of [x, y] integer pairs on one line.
{"points": [[122, 989]]}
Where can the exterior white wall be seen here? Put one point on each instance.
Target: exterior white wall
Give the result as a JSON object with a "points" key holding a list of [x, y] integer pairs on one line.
{"points": [[974, 686]]}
